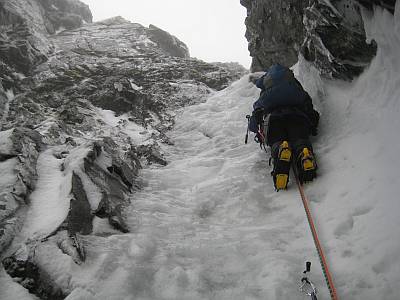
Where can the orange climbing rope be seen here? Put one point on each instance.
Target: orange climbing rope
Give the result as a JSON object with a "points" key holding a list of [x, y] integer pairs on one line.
{"points": [[322, 259]]}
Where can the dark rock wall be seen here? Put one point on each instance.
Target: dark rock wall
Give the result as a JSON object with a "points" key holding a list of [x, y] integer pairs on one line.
{"points": [[275, 31], [328, 33]]}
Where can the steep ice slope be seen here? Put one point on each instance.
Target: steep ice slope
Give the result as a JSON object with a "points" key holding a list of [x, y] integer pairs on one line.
{"points": [[213, 228], [210, 226]]}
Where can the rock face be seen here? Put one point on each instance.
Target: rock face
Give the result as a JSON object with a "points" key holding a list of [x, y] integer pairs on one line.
{"points": [[274, 30], [169, 43], [328, 33], [68, 14], [24, 25], [83, 107]]}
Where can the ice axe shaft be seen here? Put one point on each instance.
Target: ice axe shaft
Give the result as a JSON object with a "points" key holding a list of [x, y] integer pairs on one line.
{"points": [[247, 133]]}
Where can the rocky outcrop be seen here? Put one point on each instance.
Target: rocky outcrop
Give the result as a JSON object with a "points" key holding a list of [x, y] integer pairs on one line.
{"points": [[275, 31], [67, 14], [330, 34], [134, 76], [336, 41], [168, 42], [115, 178], [24, 26]]}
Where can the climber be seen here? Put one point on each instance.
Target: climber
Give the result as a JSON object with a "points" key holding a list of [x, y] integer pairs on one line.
{"points": [[287, 111]]}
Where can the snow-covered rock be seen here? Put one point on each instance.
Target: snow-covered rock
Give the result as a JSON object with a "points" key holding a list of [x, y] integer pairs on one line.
{"points": [[19, 151]]}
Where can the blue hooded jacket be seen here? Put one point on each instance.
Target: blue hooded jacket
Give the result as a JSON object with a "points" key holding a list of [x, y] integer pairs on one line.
{"points": [[283, 93]]}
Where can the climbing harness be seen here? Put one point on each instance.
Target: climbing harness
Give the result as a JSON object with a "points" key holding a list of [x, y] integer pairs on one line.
{"points": [[306, 286], [260, 138], [322, 259]]}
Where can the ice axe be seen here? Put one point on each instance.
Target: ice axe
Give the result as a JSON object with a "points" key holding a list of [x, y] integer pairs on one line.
{"points": [[247, 133]]}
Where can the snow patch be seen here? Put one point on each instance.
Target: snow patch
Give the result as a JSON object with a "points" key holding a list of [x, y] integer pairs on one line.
{"points": [[6, 145], [135, 86], [137, 133]]}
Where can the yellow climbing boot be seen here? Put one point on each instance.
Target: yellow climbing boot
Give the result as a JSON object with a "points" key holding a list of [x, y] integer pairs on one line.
{"points": [[281, 181], [307, 160], [282, 166], [306, 166], [285, 153]]}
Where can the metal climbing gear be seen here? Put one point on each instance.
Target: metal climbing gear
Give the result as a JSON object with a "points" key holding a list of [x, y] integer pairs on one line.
{"points": [[248, 128], [306, 286]]}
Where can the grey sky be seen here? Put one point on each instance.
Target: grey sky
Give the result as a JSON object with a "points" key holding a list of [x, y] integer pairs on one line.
{"points": [[212, 29]]}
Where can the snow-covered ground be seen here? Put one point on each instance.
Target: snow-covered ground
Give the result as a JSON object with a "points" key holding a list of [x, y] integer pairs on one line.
{"points": [[210, 225]]}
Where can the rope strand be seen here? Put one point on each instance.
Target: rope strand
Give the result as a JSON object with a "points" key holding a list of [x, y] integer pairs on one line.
{"points": [[322, 259]]}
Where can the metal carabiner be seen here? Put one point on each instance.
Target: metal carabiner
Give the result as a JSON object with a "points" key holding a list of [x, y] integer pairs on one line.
{"points": [[307, 287]]}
